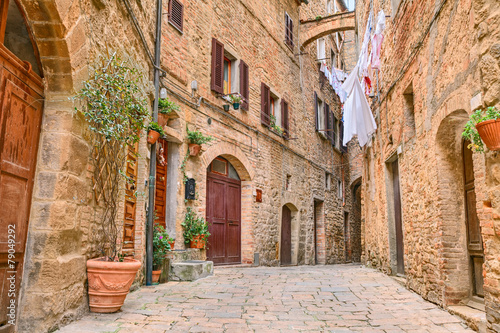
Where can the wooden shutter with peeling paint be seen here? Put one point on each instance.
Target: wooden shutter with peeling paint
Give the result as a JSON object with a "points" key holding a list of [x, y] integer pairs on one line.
{"points": [[217, 84], [244, 85], [265, 97]]}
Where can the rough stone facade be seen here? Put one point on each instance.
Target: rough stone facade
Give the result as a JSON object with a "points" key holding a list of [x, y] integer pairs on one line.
{"points": [[70, 36], [440, 63]]}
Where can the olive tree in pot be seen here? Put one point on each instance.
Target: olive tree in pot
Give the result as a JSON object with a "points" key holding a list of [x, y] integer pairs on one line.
{"points": [[115, 110], [483, 125], [196, 139]]}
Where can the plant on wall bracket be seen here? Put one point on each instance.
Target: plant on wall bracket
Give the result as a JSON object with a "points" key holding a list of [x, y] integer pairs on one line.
{"points": [[483, 125], [115, 109]]}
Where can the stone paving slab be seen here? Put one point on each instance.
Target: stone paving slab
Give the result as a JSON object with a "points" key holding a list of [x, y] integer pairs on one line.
{"points": [[340, 298]]}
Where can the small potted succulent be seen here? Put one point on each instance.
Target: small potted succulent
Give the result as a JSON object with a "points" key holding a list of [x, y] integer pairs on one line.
{"points": [[195, 230], [196, 139], [161, 245], [235, 100], [166, 108], [154, 132], [485, 125]]}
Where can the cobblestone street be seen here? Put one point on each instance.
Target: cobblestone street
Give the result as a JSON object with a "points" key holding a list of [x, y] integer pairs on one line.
{"points": [[342, 298]]}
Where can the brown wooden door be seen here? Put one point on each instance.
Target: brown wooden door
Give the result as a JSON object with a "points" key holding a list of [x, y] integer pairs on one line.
{"points": [[474, 239], [286, 236], [224, 219], [347, 238], [21, 96], [398, 219], [161, 182], [130, 200]]}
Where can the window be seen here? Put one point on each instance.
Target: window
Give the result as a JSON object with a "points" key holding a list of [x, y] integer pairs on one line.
{"points": [[288, 31], [321, 51], [285, 124], [410, 127], [265, 104], [227, 76], [176, 14], [244, 85], [333, 58], [329, 7], [320, 115], [328, 181], [334, 136], [335, 8], [219, 166], [217, 83], [343, 147], [340, 188], [275, 109], [288, 182]]}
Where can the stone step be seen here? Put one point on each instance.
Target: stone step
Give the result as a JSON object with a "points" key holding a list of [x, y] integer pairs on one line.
{"points": [[191, 270], [476, 319]]}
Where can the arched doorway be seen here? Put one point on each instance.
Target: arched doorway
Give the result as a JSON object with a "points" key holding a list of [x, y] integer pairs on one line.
{"points": [[21, 107], [223, 213], [286, 236]]}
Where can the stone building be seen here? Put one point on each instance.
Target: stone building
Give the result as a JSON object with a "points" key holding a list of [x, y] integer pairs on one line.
{"points": [[300, 179], [430, 206]]}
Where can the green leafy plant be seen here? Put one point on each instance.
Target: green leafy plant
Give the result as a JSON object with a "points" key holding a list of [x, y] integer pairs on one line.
{"points": [[161, 245], [166, 106], [319, 17], [194, 226], [115, 109], [154, 126], [470, 131], [235, 98], [275, 127], [197, 137]]}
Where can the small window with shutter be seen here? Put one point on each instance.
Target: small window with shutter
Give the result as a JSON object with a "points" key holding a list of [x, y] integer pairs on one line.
{"points": [[343, 146], [244, 85], [265, 104], [335, 127], [288, 30], [176, 14], [217, 82]]}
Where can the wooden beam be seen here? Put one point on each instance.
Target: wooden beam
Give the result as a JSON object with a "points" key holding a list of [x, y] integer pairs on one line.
{"points": [[4, 9]]}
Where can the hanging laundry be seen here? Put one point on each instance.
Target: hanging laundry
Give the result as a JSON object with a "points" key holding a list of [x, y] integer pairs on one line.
{"points": [[358, 118], [363, 56], [333, 81], [377, 41]]}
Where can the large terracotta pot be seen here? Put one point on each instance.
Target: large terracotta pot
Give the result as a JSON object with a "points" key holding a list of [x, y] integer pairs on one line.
{"points": [[197, 242], [489, 131], [194, 149], [156, 276], [153, 136], [109, 283]]}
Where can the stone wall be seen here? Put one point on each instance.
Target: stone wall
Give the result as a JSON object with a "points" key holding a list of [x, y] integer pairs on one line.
{"points": [[70, 36], [423, 56]]}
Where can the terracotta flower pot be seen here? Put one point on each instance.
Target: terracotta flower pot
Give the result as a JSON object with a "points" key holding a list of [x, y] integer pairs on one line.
{"points": [[194, 149], [109, 283], [156, 276], [489, 131], [153, 136], [172, 245], [163, 119], [197, 242]]}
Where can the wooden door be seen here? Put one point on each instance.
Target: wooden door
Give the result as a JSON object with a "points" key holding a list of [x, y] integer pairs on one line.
{"points": [[21, 98], [286, 236], [398, 219], [347, 238], [224, 219], [474, 238], [161, 182], [315, 232], [130, 200]]}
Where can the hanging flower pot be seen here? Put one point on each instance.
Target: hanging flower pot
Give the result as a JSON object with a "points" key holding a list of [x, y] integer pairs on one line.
{"points": [[226, 107], [236, 106], [156, 276], [194, 149], [153, 136], [109, 283], [489, 131], [198, 242], [163, 119]]}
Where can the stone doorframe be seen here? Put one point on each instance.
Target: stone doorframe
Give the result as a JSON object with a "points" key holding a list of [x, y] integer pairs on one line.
{"points": [[246, 173]]}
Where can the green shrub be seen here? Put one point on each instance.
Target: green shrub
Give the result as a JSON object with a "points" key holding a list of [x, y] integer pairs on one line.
{"points": [[161, 245], [166, 106], [194, 226], [197, 137]]}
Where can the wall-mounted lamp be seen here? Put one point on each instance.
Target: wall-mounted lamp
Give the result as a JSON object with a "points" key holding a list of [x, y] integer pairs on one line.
{"points": [[163, 93]]}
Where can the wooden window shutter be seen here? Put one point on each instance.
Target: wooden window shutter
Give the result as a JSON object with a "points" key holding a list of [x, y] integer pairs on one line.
{"points": [[244, 85], [288, 30], [343, 147], [290, 26], [285, 121], [130, 200], [316, 116], [176, 14], [265, 97], [334, 132], [217, 66], [326, 125]]}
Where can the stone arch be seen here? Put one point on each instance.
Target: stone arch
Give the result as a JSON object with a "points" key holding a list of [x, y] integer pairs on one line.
{"points": [[295, 227], [451, 212], [325, 26], [246, 173], [233, 154], [57, 33]]}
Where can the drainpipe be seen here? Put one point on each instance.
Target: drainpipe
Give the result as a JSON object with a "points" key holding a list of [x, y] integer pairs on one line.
{"points": [[152, 160]]}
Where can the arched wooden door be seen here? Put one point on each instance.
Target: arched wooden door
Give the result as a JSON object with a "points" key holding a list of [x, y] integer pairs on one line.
{"points": [[286, 237], [223, 213], [21, 106]]}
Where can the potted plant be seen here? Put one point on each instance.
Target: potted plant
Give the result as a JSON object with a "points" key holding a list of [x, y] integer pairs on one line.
{"points": [[154, 132], [195, 230], [196, 139], [226, 107], [235, 100], [113, 105], [275, 127], [172, 244], [166, 108], [485, 125], [161, 245]]}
